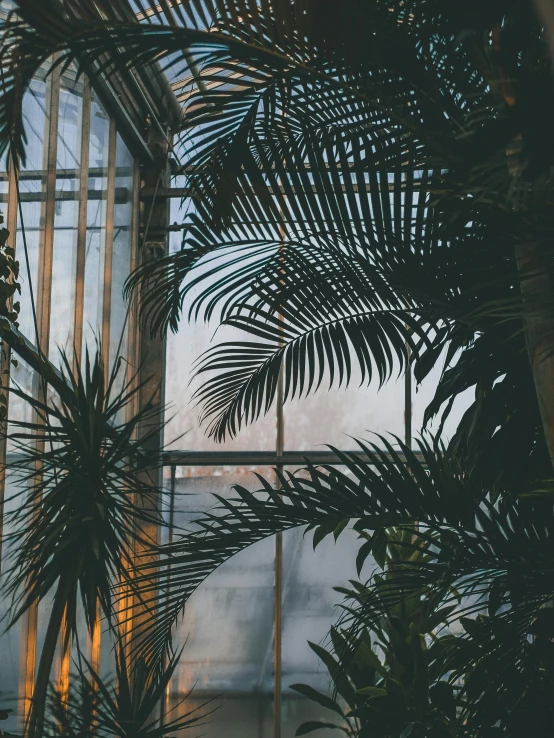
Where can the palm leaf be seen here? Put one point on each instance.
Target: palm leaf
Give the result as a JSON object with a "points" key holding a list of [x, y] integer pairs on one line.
{"points": [[474, 543]]}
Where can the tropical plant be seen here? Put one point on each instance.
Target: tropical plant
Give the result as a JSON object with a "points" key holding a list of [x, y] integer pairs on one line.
{"points": [[392, 678], [371, 185], [9, 310], [482, 551], [357, 201], [85, 494], [123, 706]]}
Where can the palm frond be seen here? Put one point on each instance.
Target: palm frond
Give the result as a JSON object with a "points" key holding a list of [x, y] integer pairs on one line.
{"points": [[245, 384], [475, 544], [380, 490]]}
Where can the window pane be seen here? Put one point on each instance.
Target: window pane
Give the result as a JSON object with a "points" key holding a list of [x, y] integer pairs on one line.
{"points": [[331, 416], [31, 187], [184, 430], [96, 223], [11, 646], [66, 215], [310, 608], [228, 622], [122, 243], [422, 396]]}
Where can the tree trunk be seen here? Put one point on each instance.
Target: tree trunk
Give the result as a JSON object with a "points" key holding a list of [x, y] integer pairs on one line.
{"points": [[35, 722], [537, 292]]}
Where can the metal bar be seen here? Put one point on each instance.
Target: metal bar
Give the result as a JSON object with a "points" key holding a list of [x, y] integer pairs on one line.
{"points": [[278, 591], [244, 458], [277, 641], [46, 247], [28, 657], [149, 12], [171, 525], [82, 196], [121, 195], [39, 174], [183, 192], [108, 247], [30, 354], [82, 225], [408, 401], [96, 637], [152, 361], [6, 354], [133, 328], [258, 458], [133, 136]]}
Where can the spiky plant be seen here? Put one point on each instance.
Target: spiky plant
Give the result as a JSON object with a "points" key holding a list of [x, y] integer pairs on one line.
{"points": [[125, 706], [84, 493]]}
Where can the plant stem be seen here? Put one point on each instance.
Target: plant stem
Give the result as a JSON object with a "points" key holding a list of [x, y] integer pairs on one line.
{"points": [[35, 722]]}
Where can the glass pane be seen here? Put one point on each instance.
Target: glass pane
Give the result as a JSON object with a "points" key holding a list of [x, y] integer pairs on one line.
{"points": [[183, 350], [22, 376], [183, 429], [31, 188], [228, 622], [10, 640], [310, 608], [332, 416], [96, 223], [122, 243], [66, 215]]}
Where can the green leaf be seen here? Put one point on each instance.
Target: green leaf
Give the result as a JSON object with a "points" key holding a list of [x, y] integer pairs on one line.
{"points": [[316, 696], [395, 692], [372, 691], [442, 697]]}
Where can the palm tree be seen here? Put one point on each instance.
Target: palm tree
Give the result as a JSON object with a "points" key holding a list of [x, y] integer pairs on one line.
{"points": [[379, 180], [370, 197], [82, 482]]}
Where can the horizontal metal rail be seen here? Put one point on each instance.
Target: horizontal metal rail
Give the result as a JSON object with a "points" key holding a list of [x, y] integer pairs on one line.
{"points": [[259, 458], [122, 196]]}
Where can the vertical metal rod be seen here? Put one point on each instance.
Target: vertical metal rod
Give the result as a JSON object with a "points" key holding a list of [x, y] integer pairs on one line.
{"points": [[133, 340], [126, 601], [6, 353], [46, 248], [82, 225], [278, 604], [278, 623], [108, 249], [44, 299], [164, 702], [95, 642], [408, 400]]}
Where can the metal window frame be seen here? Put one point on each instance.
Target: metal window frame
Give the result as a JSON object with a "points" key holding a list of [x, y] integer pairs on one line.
{"points": [[108, 247], [29, 624], [82, 224], [26, 348]]}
